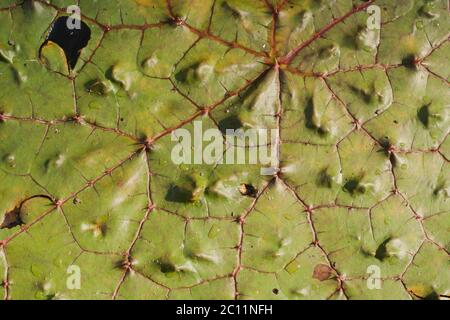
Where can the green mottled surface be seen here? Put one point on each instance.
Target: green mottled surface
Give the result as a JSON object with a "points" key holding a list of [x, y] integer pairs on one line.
{"points": [[86, 177]]}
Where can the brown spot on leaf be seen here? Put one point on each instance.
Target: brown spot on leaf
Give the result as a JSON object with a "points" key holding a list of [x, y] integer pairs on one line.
{"points": [[322, 272]]}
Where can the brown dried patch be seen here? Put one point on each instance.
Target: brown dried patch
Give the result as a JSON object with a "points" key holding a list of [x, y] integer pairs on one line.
{"points": [[322, 272]]}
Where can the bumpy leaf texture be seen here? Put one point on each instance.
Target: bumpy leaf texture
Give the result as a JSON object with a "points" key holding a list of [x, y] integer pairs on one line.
{"points": [[87, 178]]}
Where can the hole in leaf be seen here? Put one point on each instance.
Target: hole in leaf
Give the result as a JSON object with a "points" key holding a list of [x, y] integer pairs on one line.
{"points": [[12, 219], [275, 291], [72, 41]]}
